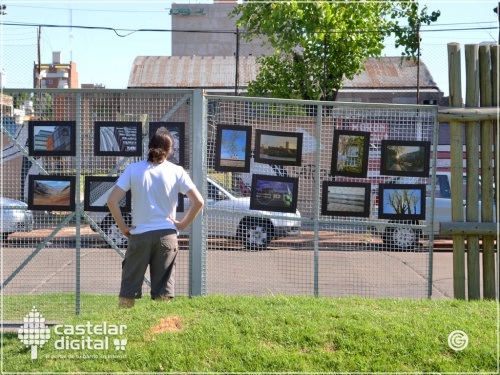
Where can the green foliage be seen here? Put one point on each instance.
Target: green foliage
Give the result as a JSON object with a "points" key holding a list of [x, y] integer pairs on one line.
{"points": [[273, 334], [319, 43], [19, 97]]}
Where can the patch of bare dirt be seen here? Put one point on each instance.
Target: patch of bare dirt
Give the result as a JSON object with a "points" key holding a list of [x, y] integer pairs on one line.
{"points": [[169, 324]]}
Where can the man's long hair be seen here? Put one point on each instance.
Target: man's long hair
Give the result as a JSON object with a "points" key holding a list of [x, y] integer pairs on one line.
{"points": [[160, 146]]}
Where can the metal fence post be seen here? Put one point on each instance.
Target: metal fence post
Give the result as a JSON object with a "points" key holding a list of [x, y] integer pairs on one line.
{"points": [[78, 236], [319, 121], [197, 243]]}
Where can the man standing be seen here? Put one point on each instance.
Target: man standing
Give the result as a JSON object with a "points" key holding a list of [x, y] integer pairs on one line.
{"points": [[155, 184]]}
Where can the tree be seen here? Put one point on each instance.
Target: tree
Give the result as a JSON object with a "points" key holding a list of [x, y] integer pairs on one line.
{"points": [[233, 142], [19, 97], [403, 202], [319, 43]]}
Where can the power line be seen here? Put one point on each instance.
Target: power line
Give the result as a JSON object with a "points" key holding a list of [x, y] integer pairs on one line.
{"points": [[88, 10], [131, 31], [457, 23]]}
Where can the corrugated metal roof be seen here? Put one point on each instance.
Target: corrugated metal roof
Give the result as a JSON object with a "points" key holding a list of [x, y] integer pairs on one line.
{"points": [[219, 72], [191, 71], [391, 72]]}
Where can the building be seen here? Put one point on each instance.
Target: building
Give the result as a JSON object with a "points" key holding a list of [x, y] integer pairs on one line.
{"points": [[93, 86], [384, 80], [7, 105], [208, 54], [206, 30], [42, 140], [56, 75]]}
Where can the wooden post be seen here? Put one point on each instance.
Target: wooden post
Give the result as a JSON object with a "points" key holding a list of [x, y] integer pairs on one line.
{"points": [[495, 66], [486, 100], [472, 168], [456, 145]]}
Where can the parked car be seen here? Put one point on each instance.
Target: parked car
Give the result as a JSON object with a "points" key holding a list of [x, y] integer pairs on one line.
{"points": [[407, 238], [16, 217], [228, 215]]}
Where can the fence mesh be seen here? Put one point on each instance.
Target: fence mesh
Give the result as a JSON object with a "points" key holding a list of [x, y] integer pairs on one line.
{"points": [[332, 255], [252, 242], [64, 253]]}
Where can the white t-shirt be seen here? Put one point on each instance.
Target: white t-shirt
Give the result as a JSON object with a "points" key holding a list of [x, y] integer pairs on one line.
{"points": [[155, 190]]}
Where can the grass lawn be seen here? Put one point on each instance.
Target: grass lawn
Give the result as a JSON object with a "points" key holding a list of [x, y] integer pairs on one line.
{"points": [[264, 334]]}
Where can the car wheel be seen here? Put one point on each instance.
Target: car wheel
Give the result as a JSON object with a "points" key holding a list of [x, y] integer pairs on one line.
{"points": [[256, 234], [402, 238], [112, 230]]}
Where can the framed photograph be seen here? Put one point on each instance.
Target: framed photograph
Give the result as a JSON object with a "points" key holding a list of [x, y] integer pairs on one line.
{"points": [[279, 148], [97, 189], [274, 193], [350, 153], [178, 131], [51, 193], [379, 129], [345, 199], [52, 138], [401, 202], [233, 148], [180, 203], [405, 158], [113, 138]]}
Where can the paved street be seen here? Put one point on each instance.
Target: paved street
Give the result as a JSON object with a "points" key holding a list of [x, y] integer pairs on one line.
{"points": [[343, 268]]}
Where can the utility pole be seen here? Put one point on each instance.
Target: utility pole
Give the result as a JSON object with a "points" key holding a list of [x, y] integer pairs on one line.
{"points": [[39, 58], [497, 11]]}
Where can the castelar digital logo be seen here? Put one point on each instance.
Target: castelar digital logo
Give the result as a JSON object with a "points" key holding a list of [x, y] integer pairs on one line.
{"points": [[71, 338], [33, 332]]}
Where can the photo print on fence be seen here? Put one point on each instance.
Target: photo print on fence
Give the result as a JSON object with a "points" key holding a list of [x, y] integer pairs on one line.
{"points": [[274, 193], [51, 193], [52, 138], [278, 148], [401, 201], [178, 132], [233, 148], [97, 190], [180, 203], [350, 153], [405, 158], [114, 138], [345, 199]]}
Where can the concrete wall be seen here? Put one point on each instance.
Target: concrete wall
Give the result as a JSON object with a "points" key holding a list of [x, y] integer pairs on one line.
{"points": [[215, 32]]}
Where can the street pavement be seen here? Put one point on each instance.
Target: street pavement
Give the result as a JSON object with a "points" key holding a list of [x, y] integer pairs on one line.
{"points": [[356, 269]]}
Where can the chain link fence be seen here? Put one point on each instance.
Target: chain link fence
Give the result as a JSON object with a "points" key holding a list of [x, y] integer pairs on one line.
{"points": [[253, 238], [57, 253], [335, 253]]}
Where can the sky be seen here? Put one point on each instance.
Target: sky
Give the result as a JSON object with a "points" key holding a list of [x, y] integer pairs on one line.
{"points": [[240, 139], [106, 56], [278, 141]]}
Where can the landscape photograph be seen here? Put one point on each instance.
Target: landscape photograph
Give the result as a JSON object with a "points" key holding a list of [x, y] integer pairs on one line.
{"points": [[405, 158], [346, 199], [52, 193], [405, 201], [272, 147], [233, 148]]}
